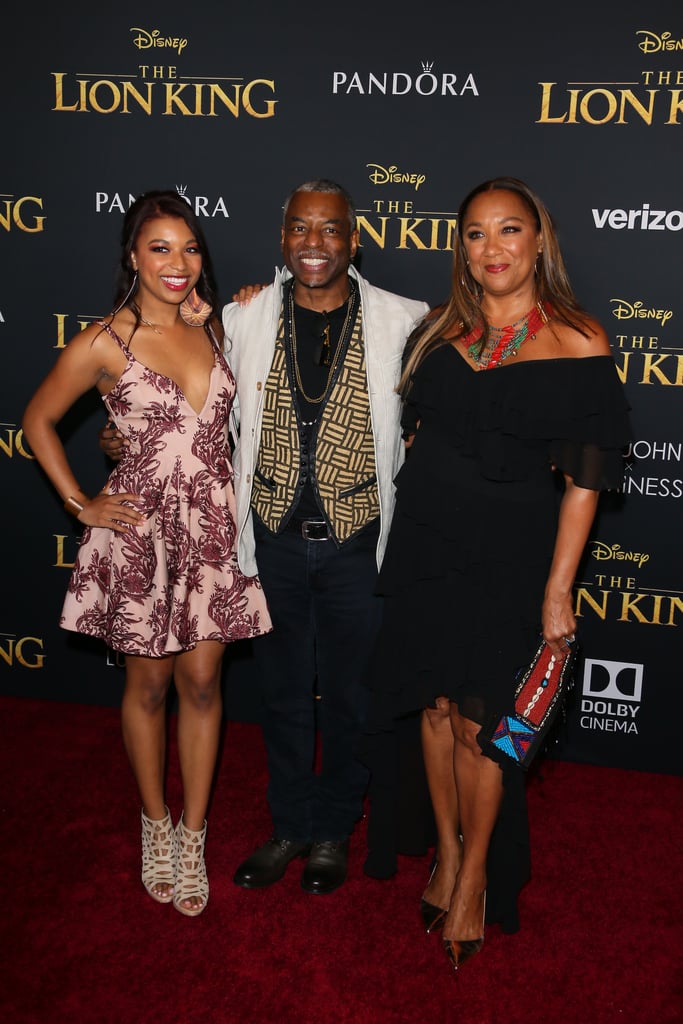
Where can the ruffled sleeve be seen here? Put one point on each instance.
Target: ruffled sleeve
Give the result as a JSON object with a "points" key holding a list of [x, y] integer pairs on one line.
{"points": [[591, 428], [509, 425]]}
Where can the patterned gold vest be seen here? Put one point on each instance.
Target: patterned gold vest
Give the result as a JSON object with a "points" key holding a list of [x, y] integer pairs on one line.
{"points": [[343, 465]]}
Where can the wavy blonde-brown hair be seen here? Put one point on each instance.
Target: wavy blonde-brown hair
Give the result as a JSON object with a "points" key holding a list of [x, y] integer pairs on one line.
{"points": [[461, 313]]}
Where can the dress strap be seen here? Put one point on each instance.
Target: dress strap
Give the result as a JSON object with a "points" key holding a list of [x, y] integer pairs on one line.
{"points": [[214, 340], [116, 337]]}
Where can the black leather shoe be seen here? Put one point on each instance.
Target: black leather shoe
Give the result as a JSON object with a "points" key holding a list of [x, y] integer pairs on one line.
{"points": [[269, 863], [326, 867]]}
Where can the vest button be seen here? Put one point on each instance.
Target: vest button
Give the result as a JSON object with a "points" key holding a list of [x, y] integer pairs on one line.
{"points": [[259, 385]]}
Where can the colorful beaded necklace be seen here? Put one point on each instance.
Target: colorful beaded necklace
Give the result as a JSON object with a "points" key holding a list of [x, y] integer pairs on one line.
{"points": [[503, 342]]}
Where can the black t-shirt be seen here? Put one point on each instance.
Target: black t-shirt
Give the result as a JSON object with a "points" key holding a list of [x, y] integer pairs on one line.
{"points": [[309, 326]]}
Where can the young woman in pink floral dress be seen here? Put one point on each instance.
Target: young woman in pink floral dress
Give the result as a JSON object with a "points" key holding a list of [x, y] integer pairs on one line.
{"points": [[156, 575]]}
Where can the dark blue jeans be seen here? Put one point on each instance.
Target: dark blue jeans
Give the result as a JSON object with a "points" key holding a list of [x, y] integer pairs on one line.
{"points": [[312, 672]]}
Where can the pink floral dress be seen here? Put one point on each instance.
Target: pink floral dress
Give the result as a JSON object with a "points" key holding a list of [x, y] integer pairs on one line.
{"points": [[162, 586]]}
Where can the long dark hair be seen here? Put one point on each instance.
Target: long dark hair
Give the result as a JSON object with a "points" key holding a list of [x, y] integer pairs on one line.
{"points": [[159, 203], [461, 313]]}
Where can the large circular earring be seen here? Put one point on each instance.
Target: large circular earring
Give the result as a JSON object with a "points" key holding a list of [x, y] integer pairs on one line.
{"points": [[194, 310]]}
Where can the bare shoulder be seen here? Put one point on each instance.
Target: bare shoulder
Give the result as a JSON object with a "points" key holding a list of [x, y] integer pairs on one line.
{"points": [[577, 345], [91, 337], [93, 352]]}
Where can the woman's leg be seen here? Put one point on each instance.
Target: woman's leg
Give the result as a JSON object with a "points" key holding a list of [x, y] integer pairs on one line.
{"points": [[479, 784], [437, 747], [198, 683], [197, 676], [143, 723]]}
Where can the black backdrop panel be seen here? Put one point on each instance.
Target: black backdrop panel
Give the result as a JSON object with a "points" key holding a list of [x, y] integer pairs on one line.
{"points": [[409, 111]]}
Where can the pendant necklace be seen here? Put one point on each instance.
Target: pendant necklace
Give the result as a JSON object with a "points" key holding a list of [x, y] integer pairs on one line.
{"points": [[325, 359], [148, 323]]}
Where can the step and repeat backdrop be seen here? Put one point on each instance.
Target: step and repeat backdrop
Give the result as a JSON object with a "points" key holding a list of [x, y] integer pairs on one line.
{"points": [[408, 109]]}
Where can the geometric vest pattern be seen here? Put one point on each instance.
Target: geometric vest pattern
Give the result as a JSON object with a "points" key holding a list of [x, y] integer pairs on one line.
{"points": [[343, 465]]}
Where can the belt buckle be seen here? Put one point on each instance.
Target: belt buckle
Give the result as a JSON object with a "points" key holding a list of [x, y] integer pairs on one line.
{"points": [[309, 524]]}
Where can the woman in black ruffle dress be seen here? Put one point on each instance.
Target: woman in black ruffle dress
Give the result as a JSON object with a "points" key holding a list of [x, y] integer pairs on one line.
{"points": [[516, 431]]}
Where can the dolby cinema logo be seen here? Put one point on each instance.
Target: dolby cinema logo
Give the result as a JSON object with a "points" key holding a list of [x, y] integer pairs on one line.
{"points": [[611, 695]]}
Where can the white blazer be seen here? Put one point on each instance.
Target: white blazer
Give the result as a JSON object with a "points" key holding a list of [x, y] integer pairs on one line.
{"points": [[250, 334]]}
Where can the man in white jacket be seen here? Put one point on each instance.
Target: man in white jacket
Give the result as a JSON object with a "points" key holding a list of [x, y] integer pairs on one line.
{"points": [[317, 357]]}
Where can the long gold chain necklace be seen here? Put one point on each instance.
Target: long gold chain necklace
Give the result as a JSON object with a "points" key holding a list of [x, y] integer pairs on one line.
{"points": [[337, 352]]}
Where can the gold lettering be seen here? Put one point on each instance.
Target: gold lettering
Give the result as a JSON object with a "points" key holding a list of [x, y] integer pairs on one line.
{"points": [[622, 371], [7, 654], [38, 659], [643, 112], [584, 596], [18, 219], [408, 232], [379, 237], [611, 106], [629, 603], [130, 91], [115, 96], [651, 368], [106, 97], [16, 647], [215, 92], [59, 93], [676, 106], [19, 443], [569, 116], [61, 334], [13, 215], [8, 446], [269, 106], [173, 99], [61, 563], [629, 606], [676, 604]]}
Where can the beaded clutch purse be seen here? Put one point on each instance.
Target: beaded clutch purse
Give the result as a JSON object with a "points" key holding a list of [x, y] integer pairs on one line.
{"points": [[540, 696]]}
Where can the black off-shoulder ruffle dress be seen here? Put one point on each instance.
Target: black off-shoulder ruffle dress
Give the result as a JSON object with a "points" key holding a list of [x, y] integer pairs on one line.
{"points": [[465, 568]]}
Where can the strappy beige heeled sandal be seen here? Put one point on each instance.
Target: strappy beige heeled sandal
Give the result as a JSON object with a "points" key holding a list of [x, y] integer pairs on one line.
{"points": [[158, 856], [191, 879]]}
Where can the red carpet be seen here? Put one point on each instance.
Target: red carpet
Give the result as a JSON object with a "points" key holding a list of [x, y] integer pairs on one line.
{"points": [[601, 938]]}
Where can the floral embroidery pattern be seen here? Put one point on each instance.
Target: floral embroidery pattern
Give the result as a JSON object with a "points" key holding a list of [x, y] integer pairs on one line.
{"points": [[161, 587]]}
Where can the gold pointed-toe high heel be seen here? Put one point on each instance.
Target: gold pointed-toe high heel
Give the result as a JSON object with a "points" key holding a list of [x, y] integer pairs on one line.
{"points": [[458, 952]]}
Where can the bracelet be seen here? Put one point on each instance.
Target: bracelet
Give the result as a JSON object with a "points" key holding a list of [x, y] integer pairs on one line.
{"points": [[73, 506]]}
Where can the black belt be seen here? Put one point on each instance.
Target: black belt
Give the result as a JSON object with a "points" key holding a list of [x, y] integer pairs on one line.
{"points": [[309, 529]]}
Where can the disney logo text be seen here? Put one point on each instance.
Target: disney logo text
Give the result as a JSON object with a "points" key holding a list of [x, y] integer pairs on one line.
{"points": [[391, 175], [144, 40], [637, 310], [652, 43], [603, 553]]}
